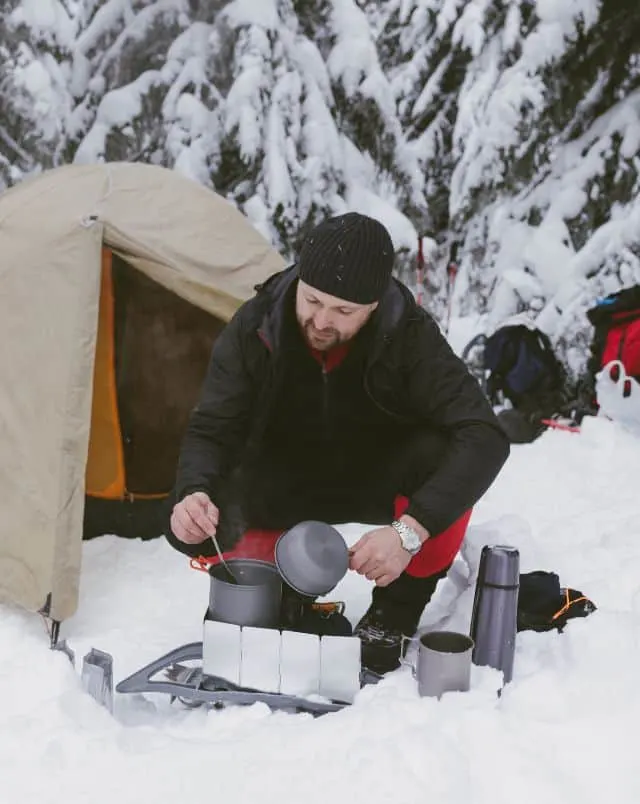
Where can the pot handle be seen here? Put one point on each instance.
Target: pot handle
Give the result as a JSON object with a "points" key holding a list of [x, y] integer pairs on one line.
{"points": [[202, 563]]}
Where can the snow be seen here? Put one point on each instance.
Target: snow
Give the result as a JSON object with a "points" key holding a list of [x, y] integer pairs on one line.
{"points": [[462, 331], [117, 109], [245, 100], [618, 396], [561, 731], [430, 90], [264, 14], [277, 177], [353, 61], [402, 231], [469, 31], [354, 54], [37, 81], [512, 25], [48, 18], [105, 18]]}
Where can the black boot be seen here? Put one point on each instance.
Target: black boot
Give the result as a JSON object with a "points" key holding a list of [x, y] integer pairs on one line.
{"points": [[394, 613]]}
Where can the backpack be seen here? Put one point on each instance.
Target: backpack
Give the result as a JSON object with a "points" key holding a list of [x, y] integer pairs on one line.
{"points": [[616, 322], [523, 368], [544, 605]]}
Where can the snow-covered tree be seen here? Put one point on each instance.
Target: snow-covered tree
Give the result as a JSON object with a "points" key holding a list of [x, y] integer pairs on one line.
{"points": [[36, 40], [147, 97], [281, 106], [560, 219], [312, 118], [502, 133]]}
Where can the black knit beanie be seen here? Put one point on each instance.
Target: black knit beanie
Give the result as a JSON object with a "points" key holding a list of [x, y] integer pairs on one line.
{"points": [[349, 256]]}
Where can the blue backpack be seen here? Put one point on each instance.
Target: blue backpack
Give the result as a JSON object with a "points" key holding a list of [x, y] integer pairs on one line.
{"points": [[522, 366]]}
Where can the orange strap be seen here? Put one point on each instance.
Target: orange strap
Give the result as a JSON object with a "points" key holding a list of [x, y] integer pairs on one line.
{"points": [[568, 603]]}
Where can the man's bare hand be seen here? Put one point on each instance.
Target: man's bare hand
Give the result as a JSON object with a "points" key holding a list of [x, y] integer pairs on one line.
{"points": [[379, 556], [194, 519]]}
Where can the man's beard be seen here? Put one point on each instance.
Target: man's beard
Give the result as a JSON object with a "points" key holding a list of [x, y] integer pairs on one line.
{"points": [[323, 340]]}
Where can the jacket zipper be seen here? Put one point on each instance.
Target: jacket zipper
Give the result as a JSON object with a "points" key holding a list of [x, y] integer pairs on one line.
{"points": [[325, 396]]}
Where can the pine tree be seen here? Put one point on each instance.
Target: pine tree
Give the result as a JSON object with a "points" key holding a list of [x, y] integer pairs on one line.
{"points": [[141, 59], [35, 53], [254, 100], [281, 154], [503, 102]]}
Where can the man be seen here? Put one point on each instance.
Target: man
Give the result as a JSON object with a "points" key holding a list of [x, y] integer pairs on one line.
{"points": [[332, 396]]}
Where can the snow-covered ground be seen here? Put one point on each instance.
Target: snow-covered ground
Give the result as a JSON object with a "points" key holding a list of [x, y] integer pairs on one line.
{"points": [[563, 730]]}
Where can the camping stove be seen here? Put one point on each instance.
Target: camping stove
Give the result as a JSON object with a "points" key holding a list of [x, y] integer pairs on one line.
{"points": [[287, 670], [247, 654]]}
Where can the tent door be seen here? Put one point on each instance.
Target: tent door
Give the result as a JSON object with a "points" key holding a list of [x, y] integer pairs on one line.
{"points": [[152, 353], [105, 473]]}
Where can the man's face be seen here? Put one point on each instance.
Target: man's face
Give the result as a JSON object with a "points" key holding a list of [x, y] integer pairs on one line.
{"points": [[327, 321]]}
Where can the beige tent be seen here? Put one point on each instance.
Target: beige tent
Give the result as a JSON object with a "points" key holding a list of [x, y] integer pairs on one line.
{"points": [[114, 281]]}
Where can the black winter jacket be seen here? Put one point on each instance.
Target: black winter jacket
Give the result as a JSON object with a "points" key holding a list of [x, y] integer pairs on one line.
{"points": [[412, 374]]}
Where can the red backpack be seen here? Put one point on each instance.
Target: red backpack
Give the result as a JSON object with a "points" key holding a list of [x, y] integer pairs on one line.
{"points": [[616, 321]]}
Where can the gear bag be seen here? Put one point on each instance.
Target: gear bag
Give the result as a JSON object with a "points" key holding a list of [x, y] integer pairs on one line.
{"points": [[616, 322], [523, 367], [544, 605]]}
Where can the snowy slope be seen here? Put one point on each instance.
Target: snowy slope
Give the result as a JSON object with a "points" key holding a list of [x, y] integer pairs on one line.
{"points": [[562, 731]]}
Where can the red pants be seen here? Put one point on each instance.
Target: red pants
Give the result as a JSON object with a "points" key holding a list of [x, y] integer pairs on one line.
{"points": [[435, 555]]}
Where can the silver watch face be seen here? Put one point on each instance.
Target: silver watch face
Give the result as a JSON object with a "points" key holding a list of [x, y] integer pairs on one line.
{"points": [[409, 538], [414, 543]]}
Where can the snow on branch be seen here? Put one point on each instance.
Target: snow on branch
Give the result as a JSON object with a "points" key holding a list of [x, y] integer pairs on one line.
{"points": [[353, 60], [48, 20], [118, 109], [119, 14]]}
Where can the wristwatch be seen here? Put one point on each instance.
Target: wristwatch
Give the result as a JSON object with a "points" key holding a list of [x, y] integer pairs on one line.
{"points": [[408, 537]]}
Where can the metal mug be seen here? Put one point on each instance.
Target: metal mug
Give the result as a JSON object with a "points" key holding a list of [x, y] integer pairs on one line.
{"points": [[443, 662]]}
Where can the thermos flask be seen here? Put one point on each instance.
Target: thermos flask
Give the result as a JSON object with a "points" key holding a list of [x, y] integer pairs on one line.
{"points": [[494, 618]]}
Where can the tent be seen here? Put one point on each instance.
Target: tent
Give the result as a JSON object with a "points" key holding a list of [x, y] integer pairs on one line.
{"points": [[114, 282]]}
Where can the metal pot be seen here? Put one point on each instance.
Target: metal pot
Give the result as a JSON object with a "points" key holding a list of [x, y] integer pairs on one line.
{"points": [[312, 557], [254, 600]]}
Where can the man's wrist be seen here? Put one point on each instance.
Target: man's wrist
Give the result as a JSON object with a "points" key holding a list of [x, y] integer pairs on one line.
{"points": [[422, 532], [188, 490]]}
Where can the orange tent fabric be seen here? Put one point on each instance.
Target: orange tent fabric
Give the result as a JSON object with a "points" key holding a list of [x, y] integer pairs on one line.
{"points": [[105, 476]]}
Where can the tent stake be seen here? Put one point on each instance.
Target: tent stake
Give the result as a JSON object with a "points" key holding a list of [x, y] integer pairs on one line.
{"points": [[54, 633]]}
